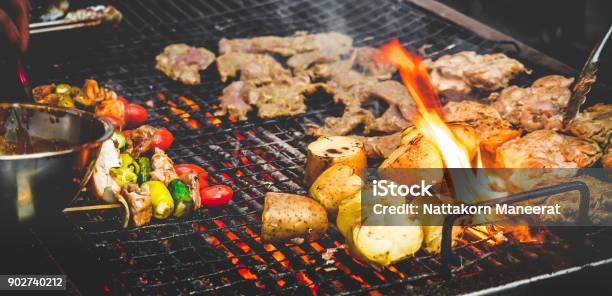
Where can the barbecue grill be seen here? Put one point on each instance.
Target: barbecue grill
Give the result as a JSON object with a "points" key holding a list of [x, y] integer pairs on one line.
{"points": [[219, 250]]}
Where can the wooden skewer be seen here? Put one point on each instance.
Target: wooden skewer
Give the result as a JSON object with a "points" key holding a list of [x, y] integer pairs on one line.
{"points": [[92, 208]]}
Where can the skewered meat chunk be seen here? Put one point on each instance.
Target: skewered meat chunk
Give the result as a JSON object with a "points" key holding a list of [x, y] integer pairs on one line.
{"points": [[600, 207], [594, 123], [286, 46], [540, 106], [456, 75], [182, 62], [339, 126], [139, 201], [233, 100], [140, 140], [257, 68], [491, 129], [163, 167], [192, 181], [548, 149]]}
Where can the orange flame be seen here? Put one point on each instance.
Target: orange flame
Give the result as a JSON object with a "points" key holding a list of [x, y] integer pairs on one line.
{"points": [[456, 154]]}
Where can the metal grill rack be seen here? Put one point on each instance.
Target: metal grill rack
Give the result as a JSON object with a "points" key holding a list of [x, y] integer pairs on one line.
{"points": [[219, 250]]}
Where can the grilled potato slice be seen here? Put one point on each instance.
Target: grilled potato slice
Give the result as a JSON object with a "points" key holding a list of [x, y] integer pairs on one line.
{"points": [[326, 151], [335, 184], [290, 217]]}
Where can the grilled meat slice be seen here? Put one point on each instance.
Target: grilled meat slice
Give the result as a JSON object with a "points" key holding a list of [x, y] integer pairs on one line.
{"points": [[257, 68], [600, 207], [140, 140], [389, 122], [456, 75], [339, 126], [163, 167], [606, 160], [370, 60], [192, 181], [540, 106], [139, 201], [548, 149], [328, 53], [182, 62], [594, 123], [491, 129], [233, 100], [468, 111], [286, 46], [281, 98], [381, 146]]}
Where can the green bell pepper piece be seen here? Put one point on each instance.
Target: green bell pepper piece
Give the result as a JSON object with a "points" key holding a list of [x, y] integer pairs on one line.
{"points": [[123, 176], [181, 196], [145, 169]]}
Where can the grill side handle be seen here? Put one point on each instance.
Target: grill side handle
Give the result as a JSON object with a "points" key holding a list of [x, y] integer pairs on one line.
{"points": [[583, 213]]}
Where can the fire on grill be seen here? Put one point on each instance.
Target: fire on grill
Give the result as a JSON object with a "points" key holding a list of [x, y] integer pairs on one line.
{"points": [[462, 134]]}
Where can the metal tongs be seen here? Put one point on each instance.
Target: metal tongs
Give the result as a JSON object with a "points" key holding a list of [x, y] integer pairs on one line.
{"points": [[585, 80], [63, 24]]}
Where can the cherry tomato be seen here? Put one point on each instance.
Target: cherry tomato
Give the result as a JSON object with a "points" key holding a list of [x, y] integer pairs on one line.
{"points": [[112, 120], [135, 115], [216, 195], [162, 139], [123, 100], [193, 168]]}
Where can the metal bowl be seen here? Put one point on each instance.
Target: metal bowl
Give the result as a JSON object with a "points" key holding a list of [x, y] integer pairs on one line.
{"points": [[38, 185]]}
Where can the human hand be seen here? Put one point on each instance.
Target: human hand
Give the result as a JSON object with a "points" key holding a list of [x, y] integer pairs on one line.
{"points": [[14, 25]]}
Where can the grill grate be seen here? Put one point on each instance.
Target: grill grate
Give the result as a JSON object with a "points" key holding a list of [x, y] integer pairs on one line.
{"points": [[219, 250]]}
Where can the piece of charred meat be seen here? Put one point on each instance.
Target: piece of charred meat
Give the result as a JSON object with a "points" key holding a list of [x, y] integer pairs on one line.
{"points": [[600, 207], [456, 75], [380, 147], [257, 68], [328, 53], [111, 108], [491, 129], [183, 63], [233, 100], [389, 122], [594, 123], [192, 181], [139, 201], [139, 141], [371, 62], [606, 160], [286, 46], [281, 98], [163, 167], [44, 94], [548, 149], [540, 106], [339, 126]]}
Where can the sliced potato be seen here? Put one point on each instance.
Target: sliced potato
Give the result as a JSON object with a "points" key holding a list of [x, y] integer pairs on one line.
{"points": [[290, 217], [349, 214], [326, 151], [380, 246], [432, 226], [335, 184]]}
